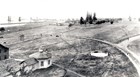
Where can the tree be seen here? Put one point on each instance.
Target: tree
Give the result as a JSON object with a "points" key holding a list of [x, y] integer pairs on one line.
{"points": [[90, 19], [87, 18], [111, 22], [2, 29], [81, 20], [94, 17], [9, 18]]}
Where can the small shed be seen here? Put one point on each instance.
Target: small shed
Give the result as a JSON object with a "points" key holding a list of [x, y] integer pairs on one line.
{"points": [[98, 53], [21, 37], [4, 52]]}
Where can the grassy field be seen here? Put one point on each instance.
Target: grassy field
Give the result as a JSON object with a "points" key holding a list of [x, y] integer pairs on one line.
{"points": [[43, 34], [109, 32], [134, 46], [114, 65]]}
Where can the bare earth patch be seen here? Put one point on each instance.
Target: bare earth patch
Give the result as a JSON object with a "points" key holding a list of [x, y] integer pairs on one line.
{"points": [[114, 65]]}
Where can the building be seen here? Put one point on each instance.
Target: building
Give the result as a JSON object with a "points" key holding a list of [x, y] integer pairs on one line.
{"points": [[4, 52], [98, 53], [28, 65], [36, 61], [43, 58]]}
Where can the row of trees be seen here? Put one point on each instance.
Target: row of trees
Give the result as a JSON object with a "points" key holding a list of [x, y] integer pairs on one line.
{"points": [[9, 19], [89, 19]]}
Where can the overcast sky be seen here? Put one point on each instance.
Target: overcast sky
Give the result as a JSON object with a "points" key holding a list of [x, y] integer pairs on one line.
{"points": [[69, 8]]}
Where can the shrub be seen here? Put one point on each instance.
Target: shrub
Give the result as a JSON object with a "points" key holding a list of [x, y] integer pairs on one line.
{"points": [[111, 22], [2, 29], [81, 20]]}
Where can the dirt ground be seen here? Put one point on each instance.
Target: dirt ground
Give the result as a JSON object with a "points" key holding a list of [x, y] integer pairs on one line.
{"points": [[134, 46], [116, 64], [53, 37]]}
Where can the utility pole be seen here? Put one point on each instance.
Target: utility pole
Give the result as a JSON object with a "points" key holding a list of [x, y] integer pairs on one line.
{"points": [[9, 19]]}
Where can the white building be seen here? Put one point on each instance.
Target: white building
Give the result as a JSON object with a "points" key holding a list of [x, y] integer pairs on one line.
{"points": [[36, 61], [98, 54], [43, 58]]}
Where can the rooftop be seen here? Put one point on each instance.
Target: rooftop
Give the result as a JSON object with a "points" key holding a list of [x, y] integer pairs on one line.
{"points": [[30, 61], [3, 46], [41, 55]]}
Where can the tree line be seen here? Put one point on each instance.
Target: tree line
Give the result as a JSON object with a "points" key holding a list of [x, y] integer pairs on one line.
{"points": [[89, 19], [93, 20]]}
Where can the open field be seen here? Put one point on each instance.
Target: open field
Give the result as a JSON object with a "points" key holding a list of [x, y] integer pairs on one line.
{"points": [[114, 65], [135, 46], [49, 36], [109, 32], [22, 26]]}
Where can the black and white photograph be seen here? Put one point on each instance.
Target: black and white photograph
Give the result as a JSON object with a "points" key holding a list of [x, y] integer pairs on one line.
{"points": [[69, 38]]}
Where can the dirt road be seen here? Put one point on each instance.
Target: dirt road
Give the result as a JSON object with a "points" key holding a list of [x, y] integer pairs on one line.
{"points": [[135, 56]]}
